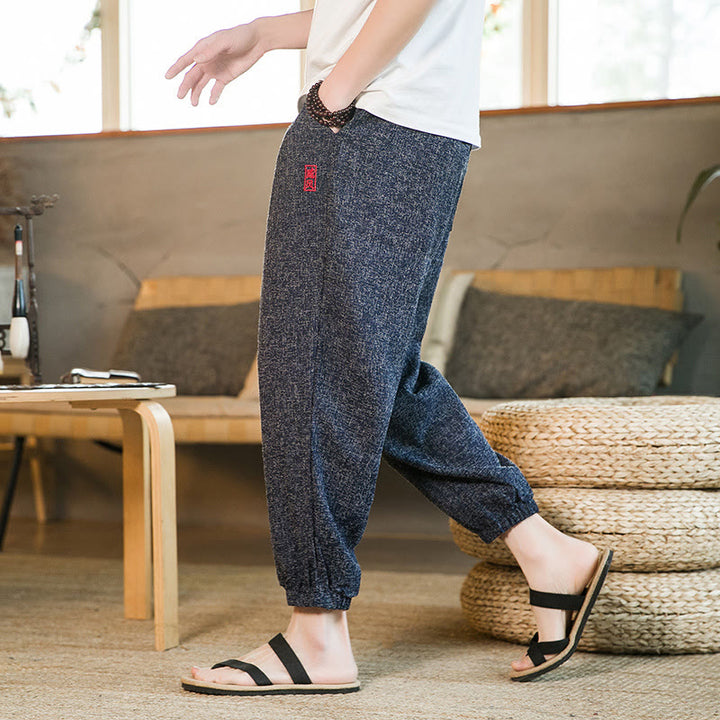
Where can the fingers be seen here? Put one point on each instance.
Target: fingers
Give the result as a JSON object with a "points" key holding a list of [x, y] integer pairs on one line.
{"points": [[180, 64], [195, 80], [202, 51], [217, 89], [191, 78], [197, 90]]}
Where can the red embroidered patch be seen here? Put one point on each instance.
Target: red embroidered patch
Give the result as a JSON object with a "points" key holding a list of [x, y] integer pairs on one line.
{"points": [[310, 184]]}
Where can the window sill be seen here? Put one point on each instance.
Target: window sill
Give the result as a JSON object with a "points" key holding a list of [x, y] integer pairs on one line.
{"points": [[530, 110]]}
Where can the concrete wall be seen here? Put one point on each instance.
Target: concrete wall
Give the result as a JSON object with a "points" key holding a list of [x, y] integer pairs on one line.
{"points": [[561, 189], [556, 189]]}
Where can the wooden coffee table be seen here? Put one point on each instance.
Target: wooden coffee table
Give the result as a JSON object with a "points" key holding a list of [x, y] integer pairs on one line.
{"points": [[149, 516]]}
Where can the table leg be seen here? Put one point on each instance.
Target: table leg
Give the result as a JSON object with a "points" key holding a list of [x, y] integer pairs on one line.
{"points": [[164, 521], [137, 571], [148, 462]]}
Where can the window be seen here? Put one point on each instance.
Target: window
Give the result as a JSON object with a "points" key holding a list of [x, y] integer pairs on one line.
{"points": [[50, 68], [56, 76], [501, 61], [159, 32], [57, 86], [612, 50]]}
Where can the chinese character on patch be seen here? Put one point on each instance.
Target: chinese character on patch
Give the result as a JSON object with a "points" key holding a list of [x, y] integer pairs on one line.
{"points": [[310, 184]]}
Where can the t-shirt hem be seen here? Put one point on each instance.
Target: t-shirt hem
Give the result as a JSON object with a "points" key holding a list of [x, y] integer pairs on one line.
{"points": [[393, 116]]}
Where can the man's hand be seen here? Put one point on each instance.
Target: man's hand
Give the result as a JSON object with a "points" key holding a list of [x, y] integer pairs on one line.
{"points": [[222, 56], [227, 54]]}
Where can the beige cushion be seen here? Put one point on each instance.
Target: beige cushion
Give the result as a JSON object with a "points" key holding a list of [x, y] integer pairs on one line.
{"points": [[251, 390], [443, 317], [477, 406], [215, 406]]}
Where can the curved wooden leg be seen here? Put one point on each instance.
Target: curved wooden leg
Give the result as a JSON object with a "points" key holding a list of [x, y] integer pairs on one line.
{"points": [[164, 521], [34, 459], [137, 570]]}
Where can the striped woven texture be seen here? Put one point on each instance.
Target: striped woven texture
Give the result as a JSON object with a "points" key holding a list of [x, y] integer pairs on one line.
{"points": [[640, 442], [635, 612], [650, 531], [67, 653], [639, 475]]}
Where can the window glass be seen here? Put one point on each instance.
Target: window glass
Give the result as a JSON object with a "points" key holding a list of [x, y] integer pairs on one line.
{"points": [[607, 50], [501, 61], [612, 50], [162, 30], [50, 68]]}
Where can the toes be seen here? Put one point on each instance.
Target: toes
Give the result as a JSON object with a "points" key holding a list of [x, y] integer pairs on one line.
{"points": [[222, 676], [205, 674], [525, 663], [522, 664]]}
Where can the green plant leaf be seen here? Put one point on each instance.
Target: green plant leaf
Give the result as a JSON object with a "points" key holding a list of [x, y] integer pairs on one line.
{"points": [[704, 178]]}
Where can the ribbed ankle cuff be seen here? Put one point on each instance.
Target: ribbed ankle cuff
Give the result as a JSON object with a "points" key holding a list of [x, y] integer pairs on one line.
{"points": [[318, 598]]}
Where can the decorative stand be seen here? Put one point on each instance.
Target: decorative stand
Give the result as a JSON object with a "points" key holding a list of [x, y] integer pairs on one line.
{"points": [[37, 206]]}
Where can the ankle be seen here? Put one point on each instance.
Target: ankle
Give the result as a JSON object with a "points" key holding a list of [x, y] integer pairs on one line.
{"points": [[544, 553], [319, 629], [535, 542]]}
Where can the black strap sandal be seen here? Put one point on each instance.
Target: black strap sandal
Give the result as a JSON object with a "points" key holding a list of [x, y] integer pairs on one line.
{"points": [[581, 604], [301, 685]]}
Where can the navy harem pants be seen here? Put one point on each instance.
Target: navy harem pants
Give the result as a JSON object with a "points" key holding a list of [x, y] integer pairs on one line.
{"points": [[357, 229]]}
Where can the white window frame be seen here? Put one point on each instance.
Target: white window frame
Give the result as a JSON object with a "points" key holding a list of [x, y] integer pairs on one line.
{"points": [[115, 72], [539, 66], [535, 55], [116, 97]]}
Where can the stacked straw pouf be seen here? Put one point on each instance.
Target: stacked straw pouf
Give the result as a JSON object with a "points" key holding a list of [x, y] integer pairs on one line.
{"points": [[640, 475]]}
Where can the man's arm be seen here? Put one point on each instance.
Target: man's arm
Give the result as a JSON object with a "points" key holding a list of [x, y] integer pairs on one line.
{"points": [[284, 31], [389, 27]]}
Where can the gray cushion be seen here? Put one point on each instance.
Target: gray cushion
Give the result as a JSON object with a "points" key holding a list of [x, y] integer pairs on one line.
{"points": [[201, 350], [516, 346]]}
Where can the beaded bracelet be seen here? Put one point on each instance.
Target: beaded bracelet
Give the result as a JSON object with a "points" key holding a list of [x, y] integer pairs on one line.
{"points": [[317, 109]]}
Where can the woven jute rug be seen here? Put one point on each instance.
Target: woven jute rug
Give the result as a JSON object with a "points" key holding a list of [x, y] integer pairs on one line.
{"points": [[66, 652]]}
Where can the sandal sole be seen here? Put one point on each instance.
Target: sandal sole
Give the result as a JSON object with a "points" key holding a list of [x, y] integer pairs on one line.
{"points": [[593, 590], [207, 688]]}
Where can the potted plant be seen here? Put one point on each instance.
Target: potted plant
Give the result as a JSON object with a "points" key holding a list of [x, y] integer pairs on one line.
{"points": [[703, 179]]}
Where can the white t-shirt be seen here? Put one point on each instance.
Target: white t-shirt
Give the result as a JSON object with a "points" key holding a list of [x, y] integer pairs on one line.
{"points": [[433, 84]]}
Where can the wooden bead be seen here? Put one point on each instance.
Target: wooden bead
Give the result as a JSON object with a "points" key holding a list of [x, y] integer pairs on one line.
{"points": [[317, 109]]}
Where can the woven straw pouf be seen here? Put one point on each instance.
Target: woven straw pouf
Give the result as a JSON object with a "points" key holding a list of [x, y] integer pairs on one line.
{"points": [[649, 530], [635, 612], [640, 475], [639, 442]]}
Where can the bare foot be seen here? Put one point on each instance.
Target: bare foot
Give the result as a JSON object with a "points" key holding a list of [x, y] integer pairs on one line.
{"points": [[555, 563], [320, 640]]}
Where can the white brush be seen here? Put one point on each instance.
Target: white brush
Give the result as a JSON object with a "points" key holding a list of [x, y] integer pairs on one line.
{"points": [[19, 328]]}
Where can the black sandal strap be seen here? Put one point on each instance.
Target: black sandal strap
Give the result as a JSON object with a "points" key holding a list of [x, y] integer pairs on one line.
{"points": [[253, 671], [556, 601], [290, 660], [537, 650]]}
